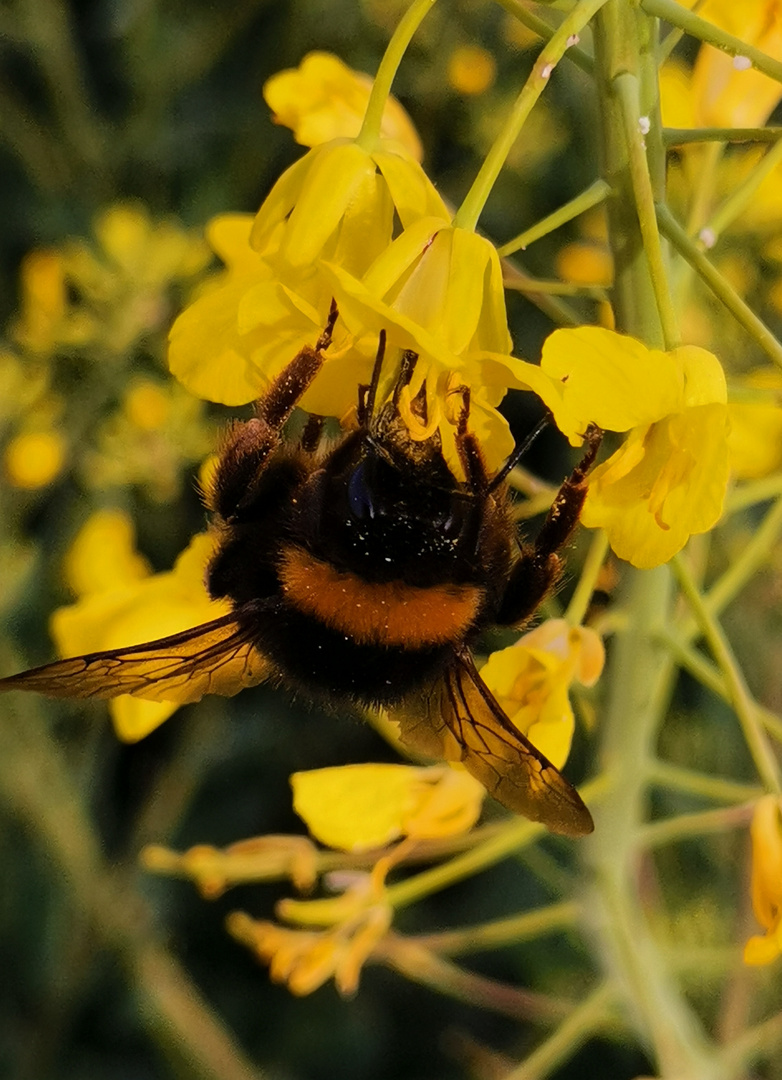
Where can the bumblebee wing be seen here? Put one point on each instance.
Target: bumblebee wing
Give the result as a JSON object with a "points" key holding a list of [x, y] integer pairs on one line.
{"points": [[458, 708], [218, 657]]}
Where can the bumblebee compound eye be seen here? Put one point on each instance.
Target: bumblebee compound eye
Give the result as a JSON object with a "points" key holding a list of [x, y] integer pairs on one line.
{"points": [[360, 497]]}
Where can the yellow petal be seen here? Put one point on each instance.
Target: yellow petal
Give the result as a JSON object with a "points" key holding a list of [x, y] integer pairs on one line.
{"points": [[103, 554], [677, 489], [354, 807], [610, 379]]}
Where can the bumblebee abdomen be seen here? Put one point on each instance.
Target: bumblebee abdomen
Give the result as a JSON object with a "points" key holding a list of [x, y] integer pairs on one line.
{"points": [[331, 664], [387, 614]]}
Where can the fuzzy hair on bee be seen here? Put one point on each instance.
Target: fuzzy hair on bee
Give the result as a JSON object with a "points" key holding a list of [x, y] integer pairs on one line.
{"points": [[361, 571]]}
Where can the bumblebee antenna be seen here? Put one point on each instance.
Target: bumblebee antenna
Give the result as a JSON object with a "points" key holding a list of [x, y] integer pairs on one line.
{"points": [[518, 454]]}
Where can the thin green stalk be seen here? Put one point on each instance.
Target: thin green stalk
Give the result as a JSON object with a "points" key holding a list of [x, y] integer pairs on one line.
{"points": [[468, 213], [742, 196], [386, 72], [754, 735], [522, 927], [753, 492], [545, 31], [561, 288], [595, 194], [683, 826], [707, 675], [593, 564], [627, 89], [596, 1013], [753, 555], [420, 965], [559, 311], [721, 789], [683, 136], [722, 289], [706, 31]]}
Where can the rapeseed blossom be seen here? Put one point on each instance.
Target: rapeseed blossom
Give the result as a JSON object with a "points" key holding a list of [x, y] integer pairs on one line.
{"points": [[668, 479], [766, 881], [532, 677]]}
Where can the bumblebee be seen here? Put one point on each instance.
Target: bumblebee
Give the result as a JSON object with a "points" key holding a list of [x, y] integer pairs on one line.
{"points": [[362, 572]]}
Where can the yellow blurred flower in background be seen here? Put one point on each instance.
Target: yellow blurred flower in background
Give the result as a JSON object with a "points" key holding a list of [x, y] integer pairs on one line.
{"points": [[766, 834], [324, 99], [123, 604], [756, 427]]}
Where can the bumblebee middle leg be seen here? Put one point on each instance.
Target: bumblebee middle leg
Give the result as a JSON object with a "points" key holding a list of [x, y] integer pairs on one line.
{"points": [[539, 568]]}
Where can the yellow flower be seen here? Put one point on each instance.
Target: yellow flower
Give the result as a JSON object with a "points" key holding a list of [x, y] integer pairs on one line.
{"points": [[355, 807], [103, 555], [756, 428], [337, 203], [305, 959], [722, 90], [261, 858], [766, 835], [730, 93], [47, 320], [34, 459], [324, 99], [531, 680], [158, 431], [471, 69], [137, 609], [668, 480], [120, 283], [437, 290]]}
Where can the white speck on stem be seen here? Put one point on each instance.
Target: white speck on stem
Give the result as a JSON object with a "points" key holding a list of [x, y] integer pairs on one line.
{"points": [[546, 70], [708, 238], [644, 125], [573, 40], [742, 63]]}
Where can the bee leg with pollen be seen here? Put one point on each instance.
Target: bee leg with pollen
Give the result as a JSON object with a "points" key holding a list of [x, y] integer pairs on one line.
{"points": [[540, 566], [249, 445]]}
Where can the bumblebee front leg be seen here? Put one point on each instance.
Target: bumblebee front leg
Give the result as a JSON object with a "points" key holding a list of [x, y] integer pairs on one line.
{"points": [[249, 445], [540, 566]]}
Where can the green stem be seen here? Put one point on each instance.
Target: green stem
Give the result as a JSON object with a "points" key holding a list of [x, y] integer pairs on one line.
{"points": [[742, 196], [754, 735], [545, 31], [420, 965], [722, 289], [640, 678], [706, 31], [627, 90], [755, 553], [591, 196], [468, 213], [594, 1014], [753, 492], [684, 826], [593, 564], [523, 927], [707, 675], [721, 789], [369, 135], [683, 136]]}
